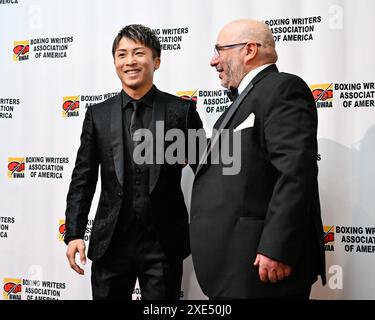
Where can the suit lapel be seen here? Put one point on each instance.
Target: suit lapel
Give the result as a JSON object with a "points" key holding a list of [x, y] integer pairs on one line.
{"points": [[231, 112], [234, 107], [117, 137], [158, 114], [215, 138]]}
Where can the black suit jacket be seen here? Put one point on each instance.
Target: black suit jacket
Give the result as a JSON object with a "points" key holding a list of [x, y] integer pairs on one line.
{"points": [[272, 206], [102, 146]]}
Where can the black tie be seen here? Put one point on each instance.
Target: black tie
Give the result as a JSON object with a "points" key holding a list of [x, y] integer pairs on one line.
{"points": [[232, 93], [135, 120]]}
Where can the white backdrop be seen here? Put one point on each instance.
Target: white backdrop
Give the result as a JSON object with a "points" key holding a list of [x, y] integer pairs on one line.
{"points": [[56, 51]]}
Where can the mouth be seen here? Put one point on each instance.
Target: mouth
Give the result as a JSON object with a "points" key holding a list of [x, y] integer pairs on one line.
{"points": [[221, 73], [132, 71]]}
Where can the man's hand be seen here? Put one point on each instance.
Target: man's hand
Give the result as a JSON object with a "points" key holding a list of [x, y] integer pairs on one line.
{"points": [[75, 246], [270, 269]]}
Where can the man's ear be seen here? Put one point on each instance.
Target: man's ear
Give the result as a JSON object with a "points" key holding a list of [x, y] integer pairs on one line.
{"points": [[157, 62], [251, 50]]}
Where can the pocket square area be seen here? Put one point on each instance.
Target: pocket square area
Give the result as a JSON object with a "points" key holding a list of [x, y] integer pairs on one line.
{"points": [[248, 123]]}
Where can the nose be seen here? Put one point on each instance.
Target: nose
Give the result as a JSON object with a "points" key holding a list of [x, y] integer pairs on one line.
{"points": [[214, 61], [130, 59]]}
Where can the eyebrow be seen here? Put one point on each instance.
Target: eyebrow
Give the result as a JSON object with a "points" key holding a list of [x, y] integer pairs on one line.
{"points": [[137, 48]]}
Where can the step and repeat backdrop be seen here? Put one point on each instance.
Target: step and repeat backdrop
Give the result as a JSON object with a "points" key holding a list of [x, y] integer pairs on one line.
{"points": [[55, 61]]}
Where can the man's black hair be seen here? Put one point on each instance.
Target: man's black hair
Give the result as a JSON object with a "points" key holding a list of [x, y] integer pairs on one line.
{"points": [[139, 33]]}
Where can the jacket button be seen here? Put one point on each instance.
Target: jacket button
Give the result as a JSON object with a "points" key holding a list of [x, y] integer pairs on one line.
{"points": [[120, 194]]}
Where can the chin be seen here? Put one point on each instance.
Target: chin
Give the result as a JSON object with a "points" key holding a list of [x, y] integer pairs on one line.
{"points": [[224, 84], [133, 85]]}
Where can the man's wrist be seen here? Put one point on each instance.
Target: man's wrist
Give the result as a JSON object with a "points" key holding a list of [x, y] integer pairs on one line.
{"points": [[68, 239]]}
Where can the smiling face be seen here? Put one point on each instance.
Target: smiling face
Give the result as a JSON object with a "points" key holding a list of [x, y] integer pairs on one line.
{"points": [[135, 66], [230, 62]]}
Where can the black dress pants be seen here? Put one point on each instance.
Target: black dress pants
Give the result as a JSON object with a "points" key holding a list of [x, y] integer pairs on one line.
{"points": [[131, 255]]}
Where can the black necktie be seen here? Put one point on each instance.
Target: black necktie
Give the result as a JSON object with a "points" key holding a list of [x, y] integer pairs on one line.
{"points": [[232, 93], [135, 120]]}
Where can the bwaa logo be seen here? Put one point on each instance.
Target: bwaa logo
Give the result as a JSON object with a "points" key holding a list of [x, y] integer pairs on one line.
{"points": [[323, 94], [12, 289], [16, 168], [329, 238], [188, 95], [70, 106], [61, 229], [21, 50]]}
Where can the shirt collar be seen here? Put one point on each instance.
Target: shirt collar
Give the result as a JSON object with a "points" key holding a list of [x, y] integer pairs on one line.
{"points": [[250, 76], [147, 99]]}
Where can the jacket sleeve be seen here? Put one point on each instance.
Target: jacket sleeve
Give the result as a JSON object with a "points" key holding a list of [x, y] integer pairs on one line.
{"points": [[194, 123], [290, 130], [83, 183]]}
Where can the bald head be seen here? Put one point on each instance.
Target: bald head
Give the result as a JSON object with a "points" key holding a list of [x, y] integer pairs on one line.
{"points": [[242, 46], [244, 30]]}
